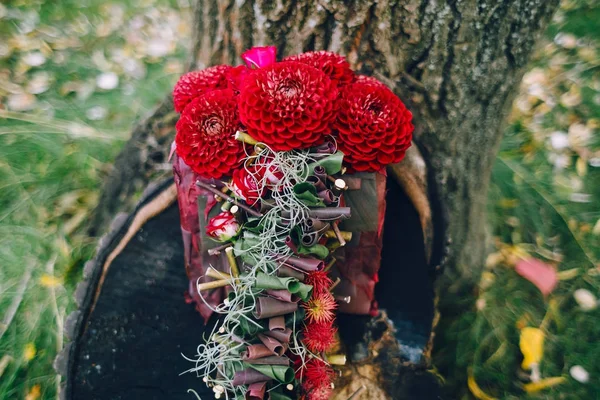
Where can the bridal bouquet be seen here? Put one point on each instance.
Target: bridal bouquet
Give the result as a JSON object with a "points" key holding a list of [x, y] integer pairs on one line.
{"points": [[267, 155]]}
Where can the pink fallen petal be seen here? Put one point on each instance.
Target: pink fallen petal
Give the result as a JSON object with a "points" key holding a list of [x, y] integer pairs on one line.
{"points": [[539, 273]]}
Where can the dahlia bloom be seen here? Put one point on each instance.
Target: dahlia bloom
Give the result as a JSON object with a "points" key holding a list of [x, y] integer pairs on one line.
{"points": [[374, 127], [205, 134], [333, 65], [368, 80], [196, 83], [287, 105]]}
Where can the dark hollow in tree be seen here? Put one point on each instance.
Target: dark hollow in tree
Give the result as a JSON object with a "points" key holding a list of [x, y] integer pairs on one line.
{"points": [[456, 64], [128, 342]]}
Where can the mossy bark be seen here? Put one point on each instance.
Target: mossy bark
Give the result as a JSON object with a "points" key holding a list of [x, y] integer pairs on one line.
{"points": [[456, 64]]}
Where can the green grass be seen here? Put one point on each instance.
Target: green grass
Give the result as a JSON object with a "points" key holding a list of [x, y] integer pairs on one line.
{"points": [[54, 157], [550, 212]]}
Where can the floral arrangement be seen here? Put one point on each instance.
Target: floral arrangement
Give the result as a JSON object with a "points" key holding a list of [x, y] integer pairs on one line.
{"points": [[264, 155]]}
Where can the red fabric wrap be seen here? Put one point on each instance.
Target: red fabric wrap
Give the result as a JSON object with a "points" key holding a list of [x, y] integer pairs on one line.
{"points": [[359, 262], [195, 241]]}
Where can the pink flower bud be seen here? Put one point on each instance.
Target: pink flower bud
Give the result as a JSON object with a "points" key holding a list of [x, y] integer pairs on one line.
{"points": [[258, 57], [223, 227]]}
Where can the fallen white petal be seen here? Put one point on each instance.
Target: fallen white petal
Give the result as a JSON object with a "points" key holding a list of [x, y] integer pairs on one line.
{"points": [[96, 113], [21, 102], [107, 81], [559, 140], [34, 59], [579, 374], [586, 299]]}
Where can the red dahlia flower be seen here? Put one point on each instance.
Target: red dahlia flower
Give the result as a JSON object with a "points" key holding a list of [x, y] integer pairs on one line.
{"points": [[320, 281], [245, 185], [195, 83], [205, 134], [373, 125], [287, 105], [333, 65], [319, 336], [235, 76], [320, 307], [368, 80]]}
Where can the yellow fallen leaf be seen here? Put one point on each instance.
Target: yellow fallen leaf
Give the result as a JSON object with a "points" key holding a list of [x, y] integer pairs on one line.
{"points": [[596, 230], [508, 203], [543, 384], [581, 167], [50, 281], [532, 346], [476, 390], [568, 274], [29, 351], [34, 393]]}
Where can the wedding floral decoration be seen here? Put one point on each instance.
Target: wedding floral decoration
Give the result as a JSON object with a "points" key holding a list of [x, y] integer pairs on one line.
{"points": [[263, 153]]}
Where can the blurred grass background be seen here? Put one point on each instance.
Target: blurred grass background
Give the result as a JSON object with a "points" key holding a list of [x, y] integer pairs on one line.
{"points": [[75, 75]]}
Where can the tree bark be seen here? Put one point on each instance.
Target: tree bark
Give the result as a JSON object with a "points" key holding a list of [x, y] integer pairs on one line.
{"points": [[456, 64]]}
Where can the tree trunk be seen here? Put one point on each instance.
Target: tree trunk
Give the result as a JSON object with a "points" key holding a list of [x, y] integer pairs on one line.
{"points": [[456, 64]]}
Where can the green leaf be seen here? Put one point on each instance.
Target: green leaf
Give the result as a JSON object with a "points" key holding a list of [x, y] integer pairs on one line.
{"points": [[247, 328], [280, 373], [304, 291], [264, 281], [273, 395], [332, 163], [317, 250], [307, 193]]}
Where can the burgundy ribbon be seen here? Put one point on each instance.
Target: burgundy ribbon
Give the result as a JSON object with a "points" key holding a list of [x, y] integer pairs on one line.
{"points": [[282, 336], [248, 376], [305, 263], [271, 360], [267, 307], [284, 270], [277, 323], [256, 391], [280, 294], [272, 344], [316, 182], [255, 351]]}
